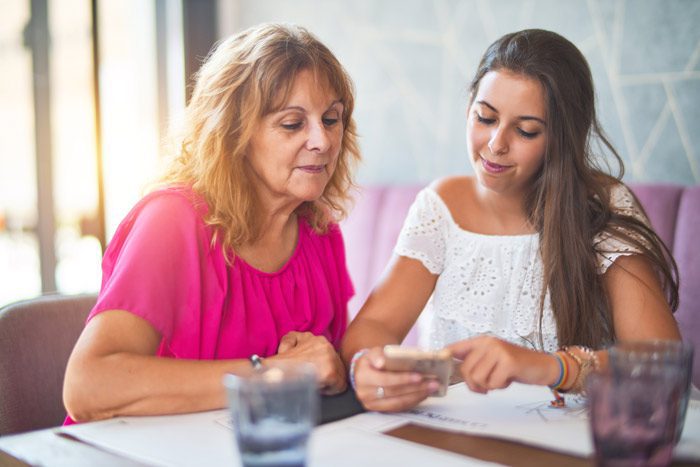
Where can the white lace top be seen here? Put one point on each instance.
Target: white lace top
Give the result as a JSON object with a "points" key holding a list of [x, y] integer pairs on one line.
{"points": [[488, 283]]}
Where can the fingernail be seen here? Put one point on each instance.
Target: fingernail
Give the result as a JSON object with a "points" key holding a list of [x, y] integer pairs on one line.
{"points": [[416, 378], [433, 386]]}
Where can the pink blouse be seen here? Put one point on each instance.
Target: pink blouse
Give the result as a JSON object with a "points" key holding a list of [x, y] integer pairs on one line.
{"points": [[161, 266]]}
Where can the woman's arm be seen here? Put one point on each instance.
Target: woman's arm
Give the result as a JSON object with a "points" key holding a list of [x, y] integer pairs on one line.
{"points": [[640, 312], [113, 371], [392, 308], [639, 307], [386, 317]]}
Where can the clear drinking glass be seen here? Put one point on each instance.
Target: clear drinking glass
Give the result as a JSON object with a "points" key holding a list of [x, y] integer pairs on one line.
{"points": [[273, 412], [635, 358], [633, 418]]}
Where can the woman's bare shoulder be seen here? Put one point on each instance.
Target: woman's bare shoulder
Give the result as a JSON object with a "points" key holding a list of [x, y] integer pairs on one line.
{"points": [[458, 194], [455, 191]]}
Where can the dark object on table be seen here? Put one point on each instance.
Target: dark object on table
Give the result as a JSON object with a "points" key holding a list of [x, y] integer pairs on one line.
{"points": [[339, 406]]}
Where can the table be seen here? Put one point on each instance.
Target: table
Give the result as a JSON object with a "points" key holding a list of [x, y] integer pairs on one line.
{"points": [[45, 447]]}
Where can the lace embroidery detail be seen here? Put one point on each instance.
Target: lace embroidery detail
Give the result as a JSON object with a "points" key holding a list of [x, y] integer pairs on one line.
{"points": [[422, 234], [488, 283], [609, 247]]}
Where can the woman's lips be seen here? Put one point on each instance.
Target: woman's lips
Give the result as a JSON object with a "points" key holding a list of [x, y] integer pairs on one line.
{"points": [[313, 169], [492, 167]]}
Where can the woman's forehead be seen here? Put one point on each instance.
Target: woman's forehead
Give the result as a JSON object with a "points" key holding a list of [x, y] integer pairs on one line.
{"points": [[515, 92], [315, 81]]}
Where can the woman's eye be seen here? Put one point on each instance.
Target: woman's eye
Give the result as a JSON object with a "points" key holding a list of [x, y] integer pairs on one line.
{"points": [[484, 120], [330, 121], [527, 134], [291, 126]]}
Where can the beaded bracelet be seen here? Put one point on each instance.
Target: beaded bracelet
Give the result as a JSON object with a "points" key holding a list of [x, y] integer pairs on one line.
{"points": [[585, 367], [592, 356], [353, 363], [559, 401], [563, 372]]}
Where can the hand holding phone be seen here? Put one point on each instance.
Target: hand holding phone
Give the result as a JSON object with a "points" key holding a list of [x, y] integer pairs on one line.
{"points": [[434, 363]]}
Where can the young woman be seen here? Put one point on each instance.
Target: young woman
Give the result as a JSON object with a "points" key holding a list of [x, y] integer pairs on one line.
{"points": [[534, 264], [238, 255]]}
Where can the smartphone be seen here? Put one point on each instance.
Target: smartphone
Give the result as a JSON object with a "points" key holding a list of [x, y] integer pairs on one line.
{"points": [[436, 363]]}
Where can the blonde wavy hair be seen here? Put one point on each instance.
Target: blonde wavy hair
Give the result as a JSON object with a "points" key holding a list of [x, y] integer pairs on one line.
{"points": [[246, 77]]}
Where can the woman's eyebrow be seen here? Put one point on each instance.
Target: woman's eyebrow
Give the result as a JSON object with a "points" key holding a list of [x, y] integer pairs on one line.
{"points": [[482, 102], [531, 117], [302, 109], [521, 117], [293, 107]]}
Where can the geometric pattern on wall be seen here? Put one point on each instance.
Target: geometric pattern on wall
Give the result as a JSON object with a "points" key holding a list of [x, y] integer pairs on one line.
{"points": [[411, 61]]}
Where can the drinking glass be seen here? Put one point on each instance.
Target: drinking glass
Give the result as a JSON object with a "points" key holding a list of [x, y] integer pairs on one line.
{"points": [[273, 412], [634, 358], [633, 417]]}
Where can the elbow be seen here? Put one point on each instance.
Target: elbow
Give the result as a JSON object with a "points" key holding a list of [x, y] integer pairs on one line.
{"points": [[75, 409], [76, 403], [81, 394]]}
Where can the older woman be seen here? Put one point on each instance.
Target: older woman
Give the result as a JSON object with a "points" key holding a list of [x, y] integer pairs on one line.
{"points": [[237, 255]]}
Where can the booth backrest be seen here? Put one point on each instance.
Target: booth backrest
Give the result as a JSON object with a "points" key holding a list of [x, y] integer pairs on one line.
{"points": [[376, 219], [36, 338]]}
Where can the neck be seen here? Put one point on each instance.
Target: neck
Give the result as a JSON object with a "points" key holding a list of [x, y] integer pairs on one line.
{"points": [[275, 243], [506, 209], [276, 215], [275, 225]]}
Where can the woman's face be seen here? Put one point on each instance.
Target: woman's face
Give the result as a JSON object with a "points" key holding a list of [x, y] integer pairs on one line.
{"points": [[294, 151], [506, 131]]}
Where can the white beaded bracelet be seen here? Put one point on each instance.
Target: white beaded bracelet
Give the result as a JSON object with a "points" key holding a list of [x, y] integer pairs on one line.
{"points": [[353, 363]]}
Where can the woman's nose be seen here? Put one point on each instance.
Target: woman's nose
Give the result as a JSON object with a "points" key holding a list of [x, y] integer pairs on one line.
{"points": [[319, 139], [498, 144]]}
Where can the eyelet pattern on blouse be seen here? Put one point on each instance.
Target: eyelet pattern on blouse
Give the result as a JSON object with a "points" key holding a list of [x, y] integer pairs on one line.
{"points": [[488, 283]]}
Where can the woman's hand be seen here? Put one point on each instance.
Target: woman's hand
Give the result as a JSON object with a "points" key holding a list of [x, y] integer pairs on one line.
{"points": [[389, 391], [491, 363], [307, 347]]}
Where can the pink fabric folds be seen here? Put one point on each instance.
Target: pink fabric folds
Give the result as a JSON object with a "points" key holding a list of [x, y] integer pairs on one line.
{"points": [[161, 266]]}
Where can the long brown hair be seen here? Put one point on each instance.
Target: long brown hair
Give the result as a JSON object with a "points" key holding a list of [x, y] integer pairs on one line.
{"points": [[246, 77], [569, 200]]}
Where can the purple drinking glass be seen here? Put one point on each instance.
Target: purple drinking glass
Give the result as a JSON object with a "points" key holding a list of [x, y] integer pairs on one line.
{"points": [[633, 418], [631, 358]]}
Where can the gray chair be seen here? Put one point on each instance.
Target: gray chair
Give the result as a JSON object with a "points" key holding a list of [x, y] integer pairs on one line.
{"points": [[36, 339]]}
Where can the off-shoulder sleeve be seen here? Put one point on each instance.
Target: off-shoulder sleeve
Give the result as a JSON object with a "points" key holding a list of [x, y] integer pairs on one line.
{"points": [[424, 232], [154, 263], [610, 247]]}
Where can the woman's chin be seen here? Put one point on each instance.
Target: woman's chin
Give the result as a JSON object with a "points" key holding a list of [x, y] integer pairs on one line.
{"points": [[491, 183], [309, 196]]}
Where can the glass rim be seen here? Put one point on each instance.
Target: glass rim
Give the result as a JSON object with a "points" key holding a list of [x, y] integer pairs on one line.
{"points": [[652, 342], [660, 346]]}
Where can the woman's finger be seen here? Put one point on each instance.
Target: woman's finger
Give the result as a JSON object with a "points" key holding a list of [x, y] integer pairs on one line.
{"points": [[367, 375], [287, 342], [397, 398], [469, 367]]}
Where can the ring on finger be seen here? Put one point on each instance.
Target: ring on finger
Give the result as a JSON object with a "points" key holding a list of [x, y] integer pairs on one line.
{"points": [[380, 392]]}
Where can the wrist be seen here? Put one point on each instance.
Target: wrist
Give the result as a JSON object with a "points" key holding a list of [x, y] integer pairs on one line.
{"points": [[559, 371], [256, 361], [353, 366], [583, 361]]}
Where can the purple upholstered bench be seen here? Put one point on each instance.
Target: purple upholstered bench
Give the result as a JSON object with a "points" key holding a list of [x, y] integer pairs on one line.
{"points": [[374, 224]]}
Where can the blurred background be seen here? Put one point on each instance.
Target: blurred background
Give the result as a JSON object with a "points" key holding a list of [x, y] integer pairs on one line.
{"points": [[89, 87]]}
